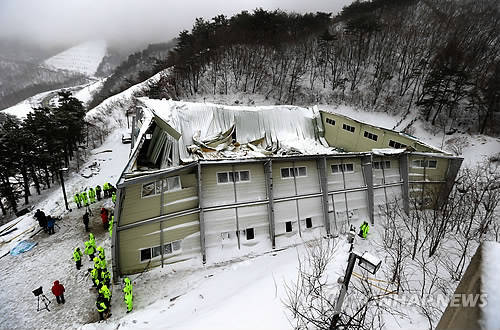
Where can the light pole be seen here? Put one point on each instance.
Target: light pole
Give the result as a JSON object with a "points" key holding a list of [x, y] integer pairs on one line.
{"points": [[61, 170], [366, 261]]}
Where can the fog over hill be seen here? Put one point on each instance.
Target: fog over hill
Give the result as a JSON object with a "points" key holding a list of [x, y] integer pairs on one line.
{"points": [[125, 23]]}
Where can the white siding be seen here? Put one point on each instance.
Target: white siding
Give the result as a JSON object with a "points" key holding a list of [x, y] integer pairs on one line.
{"points": [[256, 188], [310, 183], [282, 187], [218, 222], [357, 203]]}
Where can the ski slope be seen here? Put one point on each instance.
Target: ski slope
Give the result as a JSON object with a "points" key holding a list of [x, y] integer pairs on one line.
{"points": [[84, 58]]}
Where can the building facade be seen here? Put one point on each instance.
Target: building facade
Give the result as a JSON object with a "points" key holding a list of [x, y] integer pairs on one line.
{"points": [[218, 208]]}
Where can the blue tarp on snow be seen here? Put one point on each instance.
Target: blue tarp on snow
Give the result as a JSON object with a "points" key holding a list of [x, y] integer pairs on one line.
{"points": [[22, 247]]}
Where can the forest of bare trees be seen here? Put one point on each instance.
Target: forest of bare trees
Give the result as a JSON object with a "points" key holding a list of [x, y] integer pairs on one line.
{"points": [[439, 57], [425, 253]]}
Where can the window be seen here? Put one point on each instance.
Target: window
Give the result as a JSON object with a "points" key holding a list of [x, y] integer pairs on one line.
{"points": [[382, 164], [154, 188], [421, 163], [233, 177], [302, 171], [348, 128], [309, 223], [250, 233], [330, 121], [222, 177], [396, 145], [288, 226], [245, 175], [236, 176], [346, 168], [224, 235], [290, 172], [176, 245], [153, 252], [145, 254], [171, 247], [156, 251], [148, 189], [370, 136]]}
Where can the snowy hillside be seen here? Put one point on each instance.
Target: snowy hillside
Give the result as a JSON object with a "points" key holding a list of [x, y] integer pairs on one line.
{"points": [[84, 58], [82, 92]]}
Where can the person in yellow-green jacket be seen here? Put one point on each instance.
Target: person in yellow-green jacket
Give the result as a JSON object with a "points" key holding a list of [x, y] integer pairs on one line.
{"points": [[129, 302], [77, 257], [113, 197], [98, 191], [94, 273], [128, 295], [90, 247], [101, 254], [105, 189], [363, 230], [110, 228], [104, 292], [92, 195], [85, 199], [78, 201], [102, 307]]}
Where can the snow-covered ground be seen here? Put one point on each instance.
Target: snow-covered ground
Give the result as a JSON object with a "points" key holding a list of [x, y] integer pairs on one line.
{"points": [[51, 260], [84, 94], [84, 58]]}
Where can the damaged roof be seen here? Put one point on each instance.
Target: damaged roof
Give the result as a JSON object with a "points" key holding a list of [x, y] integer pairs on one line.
{"points": [[211, 131]]}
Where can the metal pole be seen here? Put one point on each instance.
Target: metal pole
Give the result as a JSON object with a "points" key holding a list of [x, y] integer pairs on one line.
{"points": [[343, 291], [323, 180], [63, 189], [162, 201], [202, 214], [236, 208], [268, 172], [297, 200]]}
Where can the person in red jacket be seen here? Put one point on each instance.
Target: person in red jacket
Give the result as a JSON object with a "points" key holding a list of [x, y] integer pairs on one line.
{"points": [[104, 217], [58, 291]]}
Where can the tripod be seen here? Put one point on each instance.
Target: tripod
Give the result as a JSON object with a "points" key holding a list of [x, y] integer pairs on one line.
{"points": [[46, 302], [39, 293]]}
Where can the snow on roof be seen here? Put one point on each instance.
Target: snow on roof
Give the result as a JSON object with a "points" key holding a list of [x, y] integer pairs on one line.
{"points": [[490, 270], [388, 151], [381, 125], [287, 128]]}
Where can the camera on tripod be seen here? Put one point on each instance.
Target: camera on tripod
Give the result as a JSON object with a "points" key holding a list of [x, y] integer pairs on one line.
{"points": [[39, 293]]}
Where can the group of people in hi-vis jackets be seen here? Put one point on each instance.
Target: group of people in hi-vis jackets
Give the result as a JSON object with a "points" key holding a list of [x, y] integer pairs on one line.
{"points": [[101, 277], [90, 196]]}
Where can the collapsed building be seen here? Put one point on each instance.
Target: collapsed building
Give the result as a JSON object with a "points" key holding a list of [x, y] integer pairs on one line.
{"points": [[215, 182]]}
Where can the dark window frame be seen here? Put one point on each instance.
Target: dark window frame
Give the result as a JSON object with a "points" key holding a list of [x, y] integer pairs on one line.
{"points": [[250, 233], [330, 121], [370, 136], [348, 128]]}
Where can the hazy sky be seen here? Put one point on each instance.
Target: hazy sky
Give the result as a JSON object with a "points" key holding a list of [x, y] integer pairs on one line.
{"points": [[57, 22]]}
